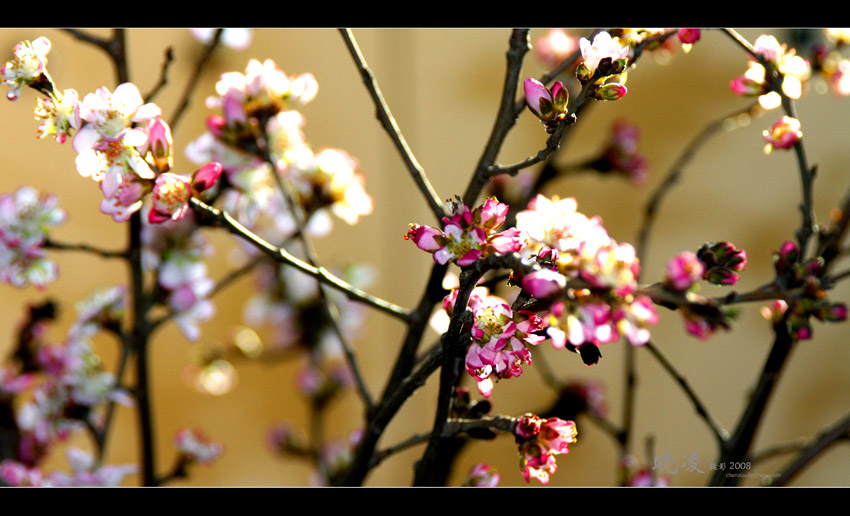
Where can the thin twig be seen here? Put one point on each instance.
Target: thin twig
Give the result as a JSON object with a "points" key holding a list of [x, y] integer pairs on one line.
{"points": [[519, 45], [280, 255], [717, 429], [193, 80], [163, 75], [413, 440], [62, 246], [840, 430], [389, 124]]}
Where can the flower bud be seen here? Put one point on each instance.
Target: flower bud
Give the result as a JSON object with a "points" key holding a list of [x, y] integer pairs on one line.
{"points": [[688, 36], [611, 91], [160, 145], [539, 99]]}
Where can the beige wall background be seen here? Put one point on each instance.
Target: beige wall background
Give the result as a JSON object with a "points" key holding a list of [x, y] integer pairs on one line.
{"points": [[443, 86]]}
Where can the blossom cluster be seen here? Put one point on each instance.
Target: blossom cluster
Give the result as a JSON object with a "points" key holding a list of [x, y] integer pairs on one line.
{"points": [[25, 220], [539, 441], [59, 388]]}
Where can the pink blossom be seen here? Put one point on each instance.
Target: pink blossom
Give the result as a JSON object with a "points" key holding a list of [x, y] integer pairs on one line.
{"points": [[60, 114], [110, 115], [783, 134], [467, 235], [170, 198], [26, 67], [539, 441], [603, 46]]}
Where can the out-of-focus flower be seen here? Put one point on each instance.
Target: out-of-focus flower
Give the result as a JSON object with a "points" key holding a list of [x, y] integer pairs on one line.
{"points": [[482, 475], [783, 134], [683, 270], [26, 67], [622, 154], [645, 477], [555, 46], [25, 220], [17, 474], [85, 473], [793, 69], [194, 447], [237, 39], [688, 36]]}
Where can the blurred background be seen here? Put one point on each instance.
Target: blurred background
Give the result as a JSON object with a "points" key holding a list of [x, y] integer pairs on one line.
{"points": [[443, 87]]}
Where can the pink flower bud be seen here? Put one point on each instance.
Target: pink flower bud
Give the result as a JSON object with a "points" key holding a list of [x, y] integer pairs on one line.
{"points": [[205, 177], [539, 99], [747, 87], [688, 36]]}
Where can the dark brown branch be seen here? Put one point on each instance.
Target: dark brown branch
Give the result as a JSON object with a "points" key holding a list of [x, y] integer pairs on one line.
{"points": [[382, 112], [505, 119], [163, 75]]}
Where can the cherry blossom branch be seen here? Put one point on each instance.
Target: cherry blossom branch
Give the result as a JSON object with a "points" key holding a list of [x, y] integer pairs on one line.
{"points": [[211, 215], [389, 124], [454, 346], [193, 80], [720, 433], [830, 436], [505, 119], [105, 253], [807, 174]]}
